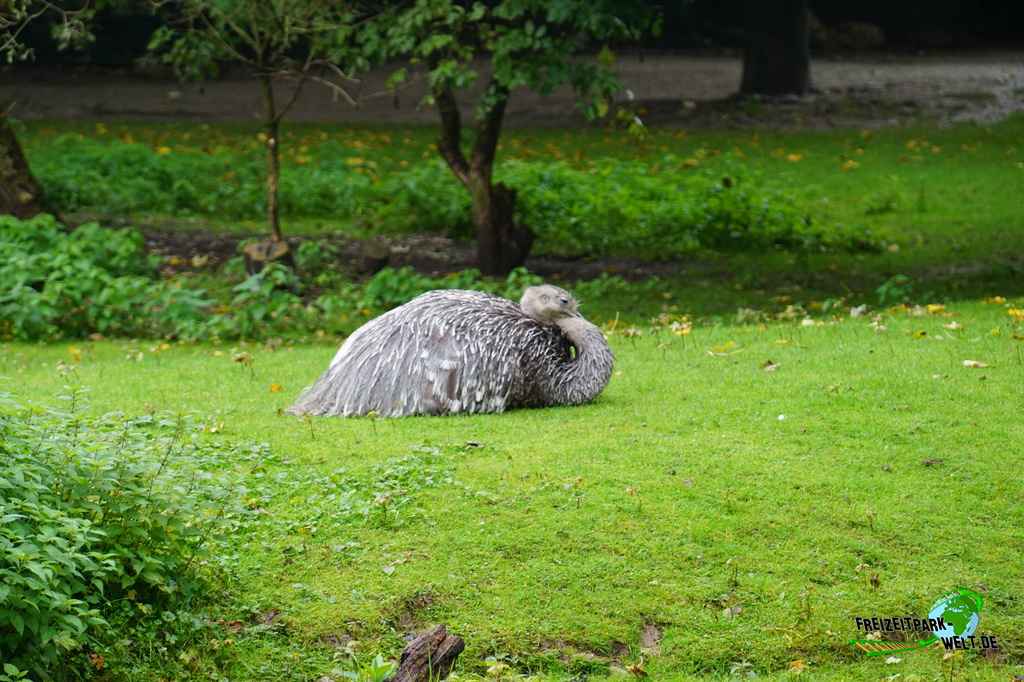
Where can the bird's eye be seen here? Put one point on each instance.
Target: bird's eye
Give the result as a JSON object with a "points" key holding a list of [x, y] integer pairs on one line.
{"points": [[564, 301]]}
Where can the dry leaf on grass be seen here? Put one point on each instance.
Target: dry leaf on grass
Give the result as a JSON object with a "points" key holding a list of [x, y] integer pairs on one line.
{"points": [[727, 348]]}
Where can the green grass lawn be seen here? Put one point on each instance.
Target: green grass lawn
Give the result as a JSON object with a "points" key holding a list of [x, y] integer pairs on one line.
{"points": [[741, 517], [746, 516]]}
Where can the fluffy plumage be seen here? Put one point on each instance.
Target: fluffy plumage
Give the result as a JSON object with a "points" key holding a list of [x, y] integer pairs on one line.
{"points": [[453, 351]]}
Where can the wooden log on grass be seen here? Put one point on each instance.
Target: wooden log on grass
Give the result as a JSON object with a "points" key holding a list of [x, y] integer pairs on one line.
{"points": [[430, 656]]}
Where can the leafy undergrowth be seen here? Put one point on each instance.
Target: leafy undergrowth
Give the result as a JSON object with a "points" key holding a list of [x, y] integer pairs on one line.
{"points": [[939, 194], [663, 208], [108, 522], [737, 496], [121, 535], [945, 202], [56, 284]]}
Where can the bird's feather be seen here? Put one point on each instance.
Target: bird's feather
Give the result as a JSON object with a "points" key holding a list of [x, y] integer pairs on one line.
{"points": [[444, 352]]}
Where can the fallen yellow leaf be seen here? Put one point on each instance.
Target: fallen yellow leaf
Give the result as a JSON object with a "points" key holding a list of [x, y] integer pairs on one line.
{"points": [[723, 348], [276, 388]]}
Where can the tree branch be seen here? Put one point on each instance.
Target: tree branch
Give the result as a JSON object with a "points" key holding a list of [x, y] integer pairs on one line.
{"points": [[488, 129], [335, 89], [303, 76], [450, 142]]}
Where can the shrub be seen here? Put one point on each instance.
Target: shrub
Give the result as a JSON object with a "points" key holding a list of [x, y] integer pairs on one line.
{"points": [[624, 208], [93, 511], [424, 198], [613, 206], [265, 302], [390, 287], [57, 284]]}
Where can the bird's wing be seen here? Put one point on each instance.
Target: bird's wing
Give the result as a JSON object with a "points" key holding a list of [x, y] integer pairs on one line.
{"points": [[397, 367]]}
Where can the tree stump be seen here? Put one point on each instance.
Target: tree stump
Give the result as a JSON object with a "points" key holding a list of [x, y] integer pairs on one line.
{"points": [[375, 254], [259, 254], [431, 656]]}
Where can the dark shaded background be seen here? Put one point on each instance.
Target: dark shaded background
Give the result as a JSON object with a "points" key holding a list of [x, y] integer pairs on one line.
{"points": [[908, 25]]}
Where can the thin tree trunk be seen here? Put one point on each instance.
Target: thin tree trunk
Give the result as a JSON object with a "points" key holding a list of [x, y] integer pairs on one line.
{"points": [[259, 254], [273, 158], [501, 243], [777, 58], [20, 193]]}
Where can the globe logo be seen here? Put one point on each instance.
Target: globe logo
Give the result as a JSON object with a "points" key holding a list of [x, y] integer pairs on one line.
{"points": [[950, 625], [959, 610]]}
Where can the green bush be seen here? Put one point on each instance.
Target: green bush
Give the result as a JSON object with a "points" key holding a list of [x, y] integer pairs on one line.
{"points": [[424, 198], [93, 512], [56, 284], [390, 287], [79, 173], [619, 207], [612, 207]]}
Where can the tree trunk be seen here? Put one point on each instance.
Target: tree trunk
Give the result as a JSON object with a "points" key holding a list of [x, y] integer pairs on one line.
{"points": [[429, 657], [501, 243], [273, 158], [777, 58], [20, 193], [275, 249]]}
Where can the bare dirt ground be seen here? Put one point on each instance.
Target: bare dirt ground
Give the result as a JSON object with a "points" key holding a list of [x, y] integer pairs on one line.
{"points": [[686, 90]]}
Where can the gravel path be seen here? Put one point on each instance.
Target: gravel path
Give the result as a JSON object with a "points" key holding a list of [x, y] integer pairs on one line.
{"points": [[884, 89]]}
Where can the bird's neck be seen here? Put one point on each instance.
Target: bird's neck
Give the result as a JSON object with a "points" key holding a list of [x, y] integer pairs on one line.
{"points": [[588, 373]]}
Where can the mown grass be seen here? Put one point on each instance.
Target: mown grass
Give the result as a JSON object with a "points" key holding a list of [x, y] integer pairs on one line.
{"points": [[680, 493], [866, 475]]}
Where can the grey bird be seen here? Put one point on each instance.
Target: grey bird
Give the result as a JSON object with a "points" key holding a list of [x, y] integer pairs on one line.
{"points": [[453, 351]]}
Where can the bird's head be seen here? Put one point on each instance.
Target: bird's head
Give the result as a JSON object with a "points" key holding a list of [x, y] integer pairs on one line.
{"points": [[548, 303]]}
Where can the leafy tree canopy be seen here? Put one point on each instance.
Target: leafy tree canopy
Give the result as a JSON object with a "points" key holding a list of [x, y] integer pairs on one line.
{"points": [[71, 26], [529, 43], [523, 43], [273, 37]]}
